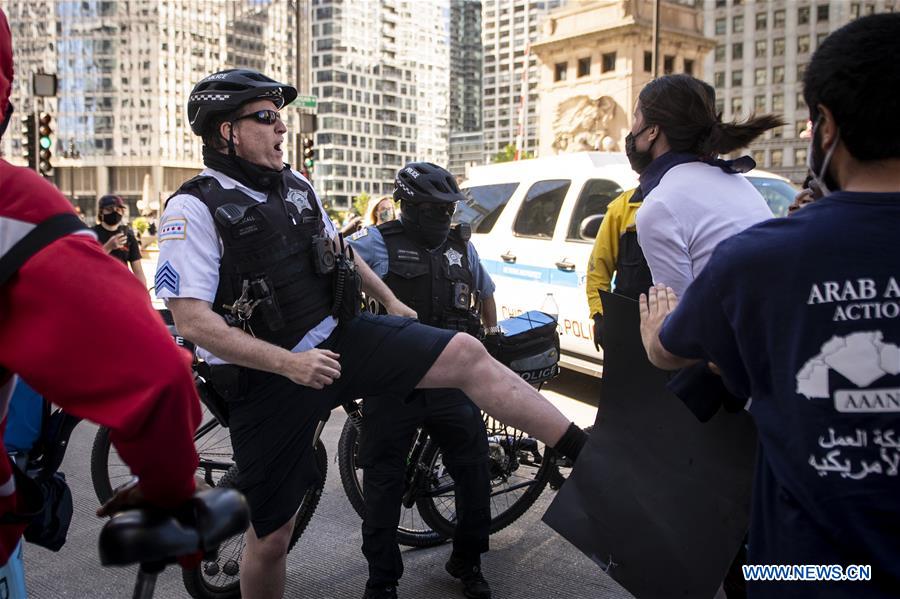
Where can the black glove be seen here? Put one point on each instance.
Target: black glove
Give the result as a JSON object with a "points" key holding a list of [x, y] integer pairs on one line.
{"points": [[598, 331]]}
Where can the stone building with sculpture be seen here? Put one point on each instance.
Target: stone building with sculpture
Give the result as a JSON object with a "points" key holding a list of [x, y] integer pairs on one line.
{"points": [[595, 58]]}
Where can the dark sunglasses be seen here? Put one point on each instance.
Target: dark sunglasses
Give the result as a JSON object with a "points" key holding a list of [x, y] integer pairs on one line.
{"points": [[438, 208], [264, 117]]}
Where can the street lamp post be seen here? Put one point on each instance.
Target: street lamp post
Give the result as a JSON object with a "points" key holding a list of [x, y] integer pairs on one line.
{"points": [[655, 39]]}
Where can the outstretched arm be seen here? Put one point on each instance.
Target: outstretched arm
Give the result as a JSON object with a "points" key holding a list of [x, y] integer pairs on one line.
{"points": [[196, 321], [655, 306]]}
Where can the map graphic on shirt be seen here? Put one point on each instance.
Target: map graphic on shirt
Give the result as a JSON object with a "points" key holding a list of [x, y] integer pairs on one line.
{"points": [[862, 358]]}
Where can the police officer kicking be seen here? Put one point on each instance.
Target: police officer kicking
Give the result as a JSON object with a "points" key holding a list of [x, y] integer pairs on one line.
{"points": [[434, 269], [254, 274]]}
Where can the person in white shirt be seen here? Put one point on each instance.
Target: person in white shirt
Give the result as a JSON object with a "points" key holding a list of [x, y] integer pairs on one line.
{"points": [[691, 200]]}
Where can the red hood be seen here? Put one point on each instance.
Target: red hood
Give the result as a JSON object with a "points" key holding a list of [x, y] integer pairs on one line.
{"points": [[6, 64]]}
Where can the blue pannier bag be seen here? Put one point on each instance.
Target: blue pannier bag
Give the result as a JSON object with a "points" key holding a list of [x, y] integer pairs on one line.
{"points": [[24, 419]]}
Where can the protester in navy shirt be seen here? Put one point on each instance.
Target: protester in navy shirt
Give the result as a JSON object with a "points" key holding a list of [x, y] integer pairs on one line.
{"points": [[803, 316]]}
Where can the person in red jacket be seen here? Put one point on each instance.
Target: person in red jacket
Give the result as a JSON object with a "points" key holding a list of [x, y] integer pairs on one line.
{"points": [[69, 308]]}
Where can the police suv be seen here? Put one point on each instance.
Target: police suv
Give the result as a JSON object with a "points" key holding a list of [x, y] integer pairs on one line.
{"points": [[534, 222]]}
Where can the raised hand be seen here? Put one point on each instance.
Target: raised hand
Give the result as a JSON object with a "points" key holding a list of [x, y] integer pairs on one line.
{"points": [[655, 305]]}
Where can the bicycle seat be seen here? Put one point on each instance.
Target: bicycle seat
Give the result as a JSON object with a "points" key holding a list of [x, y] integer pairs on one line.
{"points": [[200, 525]]}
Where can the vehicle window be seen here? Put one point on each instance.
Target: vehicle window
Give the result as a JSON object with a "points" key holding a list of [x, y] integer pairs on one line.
{"points": [[777, 193], [595, 197], [538, 214], [483, 205]]}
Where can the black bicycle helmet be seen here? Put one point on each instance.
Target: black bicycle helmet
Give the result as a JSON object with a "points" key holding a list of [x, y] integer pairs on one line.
{"points": [[426, 182], [227, 90]]}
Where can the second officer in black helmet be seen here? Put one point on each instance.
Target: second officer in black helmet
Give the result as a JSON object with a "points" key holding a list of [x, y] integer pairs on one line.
{"points": [[433, 268]]}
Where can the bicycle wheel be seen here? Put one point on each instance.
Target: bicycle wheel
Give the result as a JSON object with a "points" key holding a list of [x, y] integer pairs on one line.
{"points": [[219, 578], [518, 476], [412, 530], [212, 441]]}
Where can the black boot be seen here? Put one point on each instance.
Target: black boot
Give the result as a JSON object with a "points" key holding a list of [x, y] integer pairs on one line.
{"points": [[381, 592], [474, 584]]}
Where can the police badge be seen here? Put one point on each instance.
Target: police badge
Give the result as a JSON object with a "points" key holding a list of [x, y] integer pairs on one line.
{"points": [[453, 257], [299, 199]]}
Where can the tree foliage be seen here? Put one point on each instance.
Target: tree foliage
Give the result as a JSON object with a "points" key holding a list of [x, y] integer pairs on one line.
{"points": [[508, 154], [360, 203]]}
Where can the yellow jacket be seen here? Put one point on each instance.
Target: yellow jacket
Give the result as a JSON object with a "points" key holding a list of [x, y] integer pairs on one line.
{"points": [[619, 218]]}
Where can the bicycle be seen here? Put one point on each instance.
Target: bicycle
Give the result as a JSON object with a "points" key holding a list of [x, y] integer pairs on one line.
{"points": [[518, 466]]}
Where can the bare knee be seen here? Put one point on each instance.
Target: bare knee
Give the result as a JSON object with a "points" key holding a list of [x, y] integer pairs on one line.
{"points": [[466, 354], [273, 546]]}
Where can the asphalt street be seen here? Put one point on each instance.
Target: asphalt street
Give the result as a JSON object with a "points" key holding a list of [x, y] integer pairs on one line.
{"points": [[527, 560]]}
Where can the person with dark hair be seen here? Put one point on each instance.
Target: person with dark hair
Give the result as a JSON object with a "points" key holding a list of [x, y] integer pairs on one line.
{"points": [[118, 239], [803, 315], [57, 287], [434, 268], [257, 277], [692, 200]]}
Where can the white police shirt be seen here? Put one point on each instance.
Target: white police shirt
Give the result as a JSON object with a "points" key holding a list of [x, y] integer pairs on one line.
{"points": [[190, 250]]}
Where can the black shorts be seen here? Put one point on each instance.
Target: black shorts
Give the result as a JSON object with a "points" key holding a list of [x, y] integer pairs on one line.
{"points": [[273, 422]]}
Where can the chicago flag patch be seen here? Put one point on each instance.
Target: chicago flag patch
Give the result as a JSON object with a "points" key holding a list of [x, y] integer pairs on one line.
{"points": [[174, 228]]}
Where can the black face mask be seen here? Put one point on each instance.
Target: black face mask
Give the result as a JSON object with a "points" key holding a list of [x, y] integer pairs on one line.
{"points": [[427, 224], [252, 175], [112, 219], [639, 160], [818, 162]]}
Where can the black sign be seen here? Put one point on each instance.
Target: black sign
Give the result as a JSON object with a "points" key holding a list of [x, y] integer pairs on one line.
{"points": [[659, 500]]}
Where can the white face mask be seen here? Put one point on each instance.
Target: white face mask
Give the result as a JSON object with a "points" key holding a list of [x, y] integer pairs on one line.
{"points": [[821, 174]]}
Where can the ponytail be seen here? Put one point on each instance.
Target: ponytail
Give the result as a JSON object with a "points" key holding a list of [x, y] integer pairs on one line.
{"points": [[727, 137], [684, 108]]}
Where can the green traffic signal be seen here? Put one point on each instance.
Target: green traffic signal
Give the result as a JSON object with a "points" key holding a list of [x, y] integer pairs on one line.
{"points": [[45, 167]]}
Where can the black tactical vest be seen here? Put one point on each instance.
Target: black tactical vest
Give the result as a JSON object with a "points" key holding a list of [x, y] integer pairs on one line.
{"points": [[632, 271], [269, 243], [437, 284]]}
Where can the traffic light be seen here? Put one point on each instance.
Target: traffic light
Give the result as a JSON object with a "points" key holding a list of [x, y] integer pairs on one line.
{"points": [[308, 153], [29, 141], [45, 143]]}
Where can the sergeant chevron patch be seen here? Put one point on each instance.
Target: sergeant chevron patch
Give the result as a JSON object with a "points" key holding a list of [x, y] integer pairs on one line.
{"points": [[167, 278]]}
